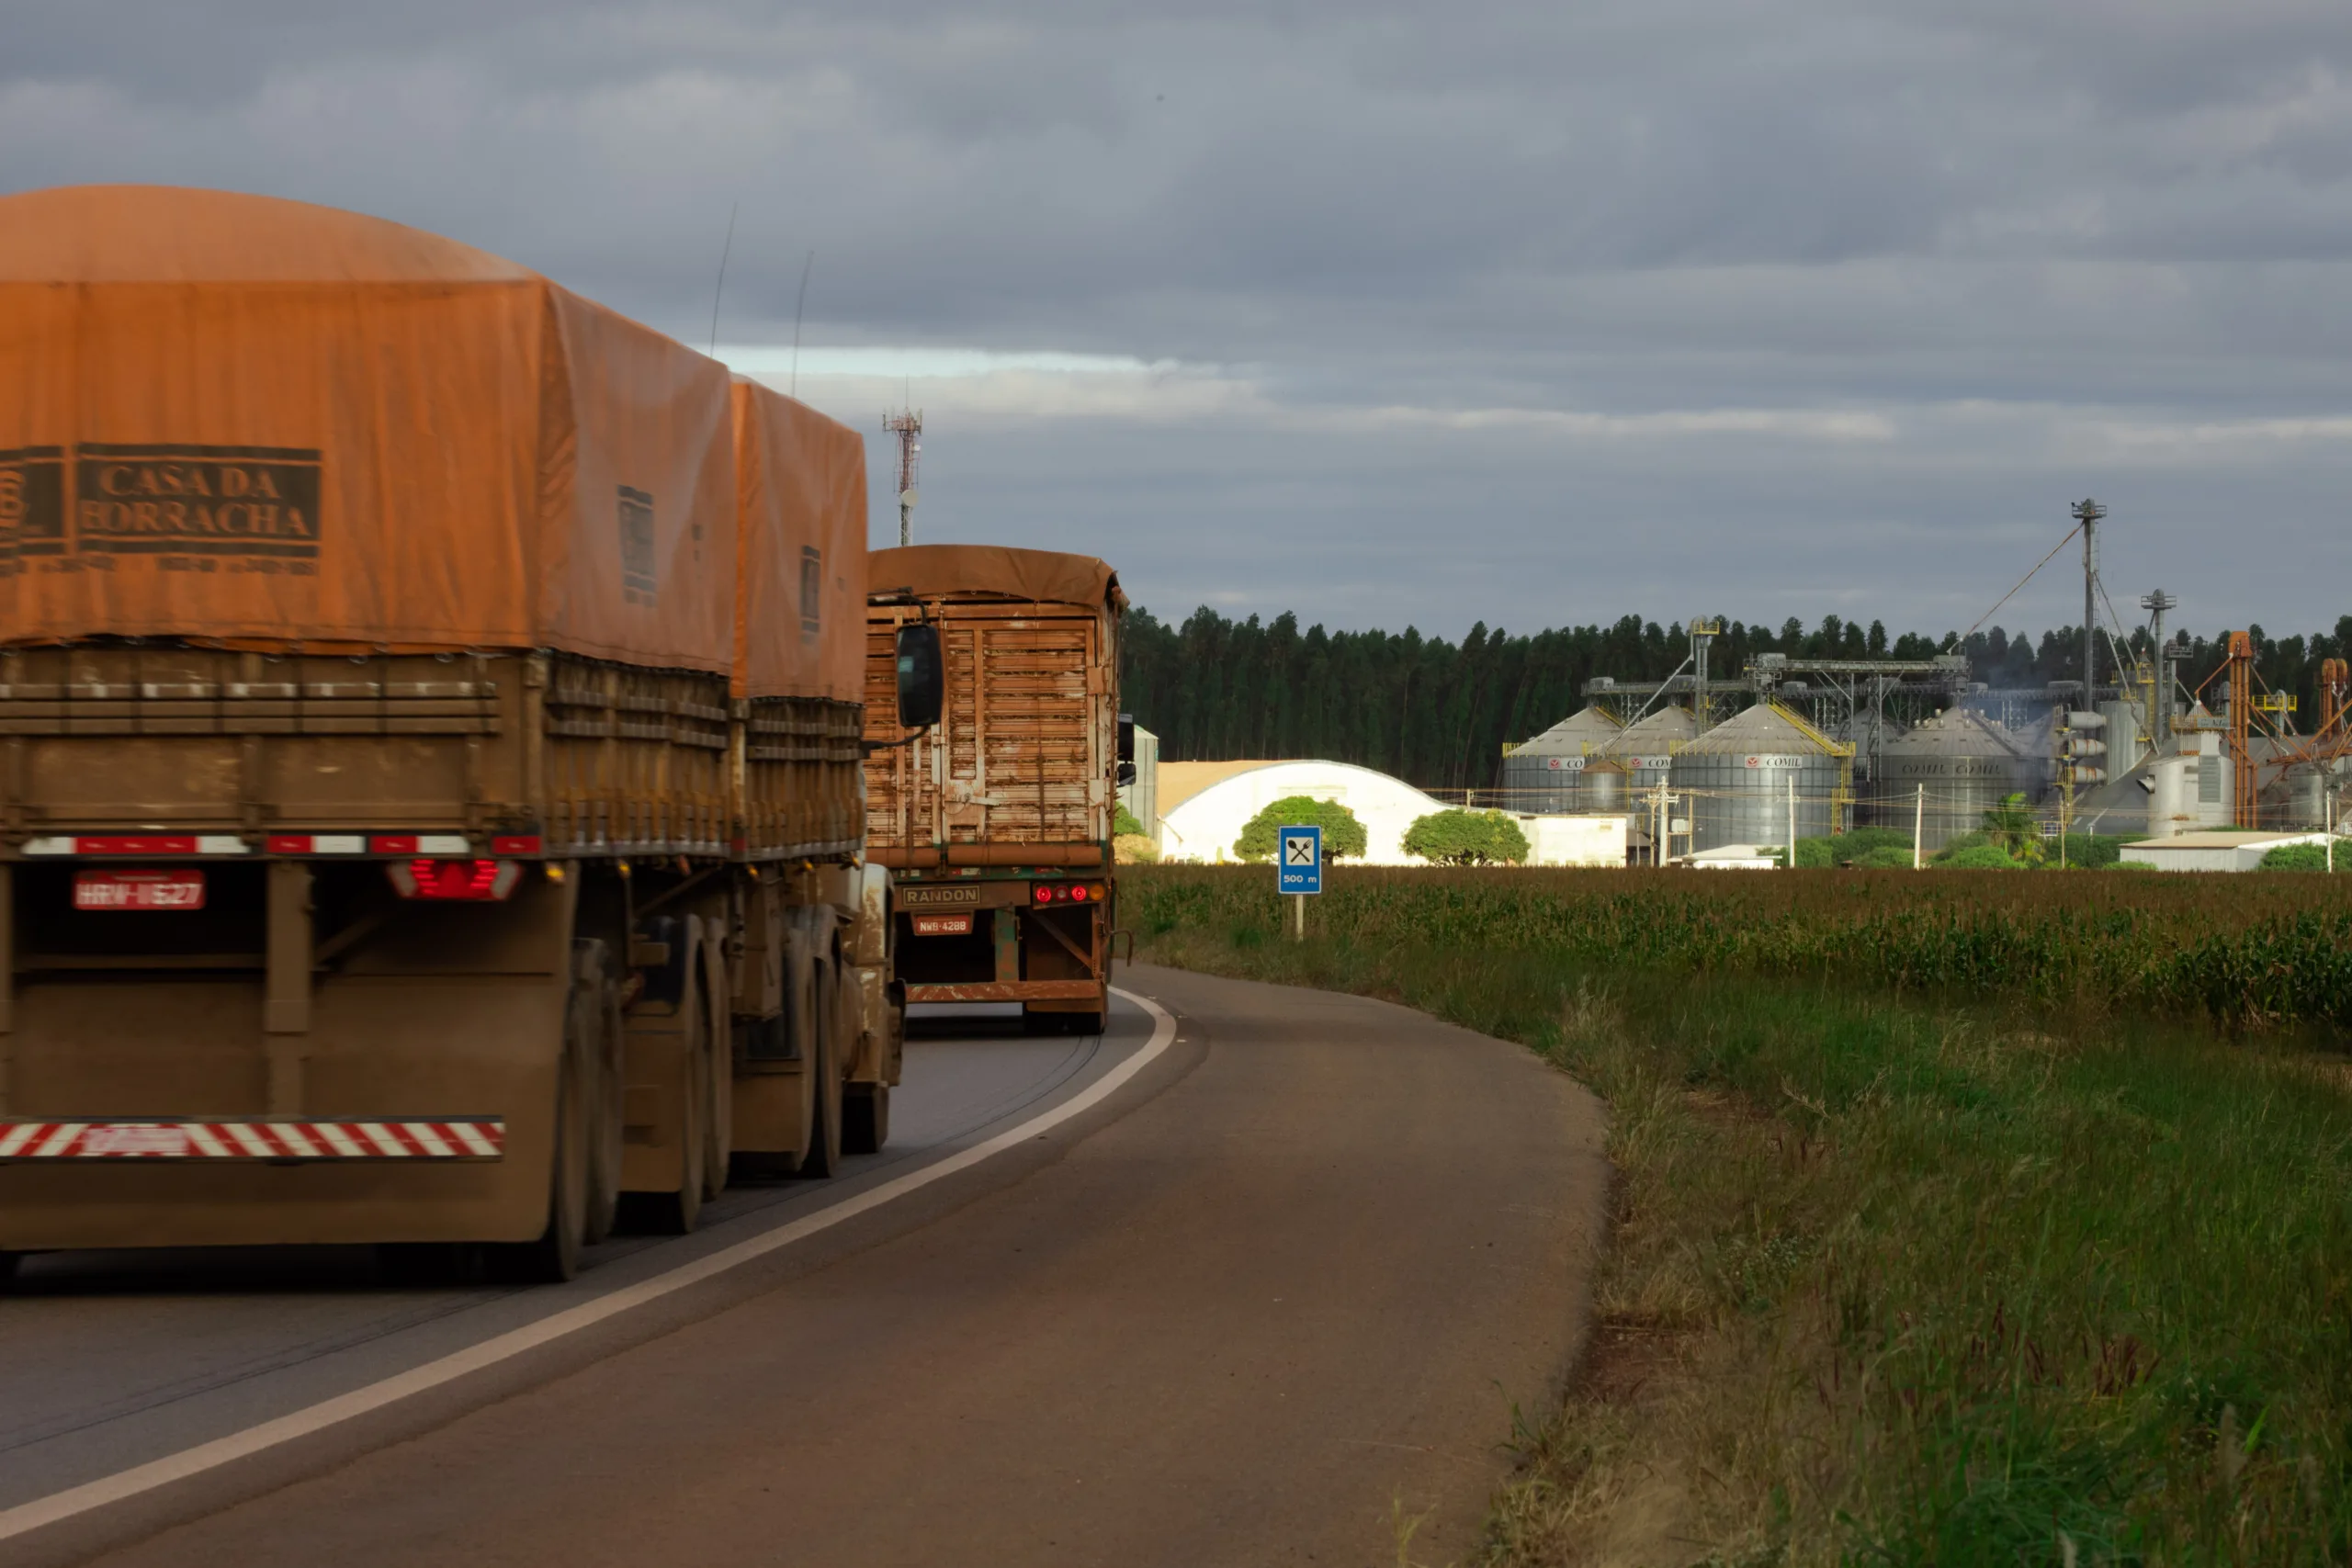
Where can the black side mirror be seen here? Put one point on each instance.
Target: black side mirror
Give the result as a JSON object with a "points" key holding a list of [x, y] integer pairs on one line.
{"points": [[1127, 773], [1126, 738], [922, 680]]}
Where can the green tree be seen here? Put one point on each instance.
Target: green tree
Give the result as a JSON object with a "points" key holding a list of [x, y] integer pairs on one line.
{"points": [[1125, 824], [1466, 838], [2012, 828], [1342, 834]]}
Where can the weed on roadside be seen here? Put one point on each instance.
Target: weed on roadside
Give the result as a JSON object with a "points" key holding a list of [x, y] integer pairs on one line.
{"points": [[1907, 1281]]}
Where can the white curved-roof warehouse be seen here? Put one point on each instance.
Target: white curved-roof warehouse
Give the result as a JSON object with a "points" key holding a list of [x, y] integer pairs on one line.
{"points": [[1204, 820]]}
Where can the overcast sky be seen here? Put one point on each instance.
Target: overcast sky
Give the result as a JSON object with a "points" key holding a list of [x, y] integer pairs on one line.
{"points": [[1528, 313]]}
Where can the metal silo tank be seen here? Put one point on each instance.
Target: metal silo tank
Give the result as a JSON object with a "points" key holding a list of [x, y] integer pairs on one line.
{"points": [[1645, 749], [1601, 787], [1968, 765], [1540, 773], [1739, 777]]}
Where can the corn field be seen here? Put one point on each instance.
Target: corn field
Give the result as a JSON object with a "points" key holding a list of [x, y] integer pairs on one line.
{"points": [[2250, 952]]}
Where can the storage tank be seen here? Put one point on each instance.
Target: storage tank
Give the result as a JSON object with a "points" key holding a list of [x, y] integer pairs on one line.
{"points": [[1601, 787], [1966, 762], [2299, 797], [1644, 748], [1539, 774], [1739, 775], [2124, 725]]}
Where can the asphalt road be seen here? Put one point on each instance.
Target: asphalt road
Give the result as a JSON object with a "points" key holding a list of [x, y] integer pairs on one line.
{"points": [[1286, 1279]]}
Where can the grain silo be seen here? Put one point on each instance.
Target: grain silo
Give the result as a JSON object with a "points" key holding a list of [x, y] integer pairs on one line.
{"points": [[1540, 775], [1738, 777], [1965, 764], [1601, 788], [1644, 748]]}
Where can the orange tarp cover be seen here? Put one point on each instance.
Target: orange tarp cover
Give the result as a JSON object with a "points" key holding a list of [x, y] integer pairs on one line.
{"points": [[996, 572], [800, 504], [228, 417]]}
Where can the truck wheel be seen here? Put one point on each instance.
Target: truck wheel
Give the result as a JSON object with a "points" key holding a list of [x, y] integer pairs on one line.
{"points": [[865, 1118], [1082, 1023], [7, 1269], [719, 1122], [593, 1027], [824, 1156], [555, 1257], [677, 1213]]}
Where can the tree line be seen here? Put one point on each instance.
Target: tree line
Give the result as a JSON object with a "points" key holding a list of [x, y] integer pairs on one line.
{"points": [[1438, 714]]}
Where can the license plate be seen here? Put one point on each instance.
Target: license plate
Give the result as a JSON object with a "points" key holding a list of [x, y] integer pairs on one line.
{"points": [[139, 890], [943, 925]]}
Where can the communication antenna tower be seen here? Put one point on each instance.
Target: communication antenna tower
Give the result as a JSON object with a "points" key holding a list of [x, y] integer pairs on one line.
{"points": [[906, 426]]}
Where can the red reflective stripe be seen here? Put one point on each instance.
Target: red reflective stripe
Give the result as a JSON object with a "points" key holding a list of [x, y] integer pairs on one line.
{"points": [[290, 844], [167, 844], [515, 844], [304, 1141], [393, 844]]}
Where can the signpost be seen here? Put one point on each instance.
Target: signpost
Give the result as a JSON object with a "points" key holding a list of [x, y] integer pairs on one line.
{"points": [[1298, 871]]}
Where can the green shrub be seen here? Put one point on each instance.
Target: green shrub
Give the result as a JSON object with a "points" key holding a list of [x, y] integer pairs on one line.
{"points": [[1852, 849], [2303, 857], [1466, 838], [1125, 824], [1981, 857], [2095, 852], [1342, 834], [1956, 843]]}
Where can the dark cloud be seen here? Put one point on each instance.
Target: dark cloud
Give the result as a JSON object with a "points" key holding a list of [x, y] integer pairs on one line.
{"points": [[1506, 311]]}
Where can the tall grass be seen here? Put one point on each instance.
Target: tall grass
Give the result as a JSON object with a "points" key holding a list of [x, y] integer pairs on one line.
{"points": [[2245, 951], [1901, 1279]]}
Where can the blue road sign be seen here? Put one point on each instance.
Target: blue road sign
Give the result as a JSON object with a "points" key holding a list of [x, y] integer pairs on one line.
{"points": [[1298, 859]]}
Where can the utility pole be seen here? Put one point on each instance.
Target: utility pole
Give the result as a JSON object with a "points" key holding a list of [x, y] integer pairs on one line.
{"points": [[2160, 708], [906, 426], [2087, 514], [1918, 824]]}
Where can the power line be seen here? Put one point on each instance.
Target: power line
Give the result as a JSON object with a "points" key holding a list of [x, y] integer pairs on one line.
{"points": [[2013, 593]]}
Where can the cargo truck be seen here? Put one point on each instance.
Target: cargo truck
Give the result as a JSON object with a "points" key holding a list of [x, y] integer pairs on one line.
{"points": [[430, 746], [995, 824]]}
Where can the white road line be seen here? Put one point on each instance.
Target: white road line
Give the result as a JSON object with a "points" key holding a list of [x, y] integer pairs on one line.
{"points": [[123, 1484]]}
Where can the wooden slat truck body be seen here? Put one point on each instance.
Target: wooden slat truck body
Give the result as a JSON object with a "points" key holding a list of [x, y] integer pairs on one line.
{"points": [[430, 729], [997, 823]]}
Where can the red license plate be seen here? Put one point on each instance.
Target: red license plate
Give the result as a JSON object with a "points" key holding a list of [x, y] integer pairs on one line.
{"points": [[943, 925], [139, 890]]}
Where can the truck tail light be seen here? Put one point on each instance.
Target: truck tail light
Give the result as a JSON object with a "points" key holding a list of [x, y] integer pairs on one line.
{"points": [[1068, 893], [455, 881]]}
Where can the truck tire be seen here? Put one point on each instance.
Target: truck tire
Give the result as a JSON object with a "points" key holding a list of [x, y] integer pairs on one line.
{"points": [[718, 1121], [7, 1269], [1082, 1023], [865, 1118], [555, 1257], [677, 1213], [595, 1020], [824, 1156]]}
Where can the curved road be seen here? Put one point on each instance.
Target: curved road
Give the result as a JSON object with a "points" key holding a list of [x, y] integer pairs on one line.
{"points": [[1262, 1285]]}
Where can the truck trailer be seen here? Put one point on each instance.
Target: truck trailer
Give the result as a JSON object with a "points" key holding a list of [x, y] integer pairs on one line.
{"points": [[995, 824], [431, 714]]}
